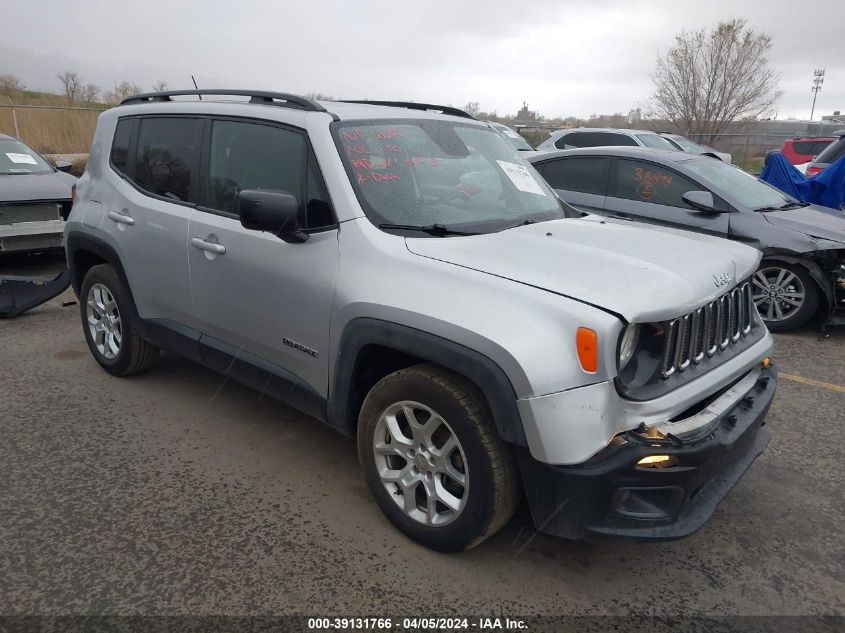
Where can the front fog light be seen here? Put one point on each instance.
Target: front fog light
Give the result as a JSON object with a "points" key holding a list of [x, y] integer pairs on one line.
{"points": [[628, 345]]}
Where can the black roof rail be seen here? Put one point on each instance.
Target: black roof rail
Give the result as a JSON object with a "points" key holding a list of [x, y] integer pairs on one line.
{"points": [[411, 105], [280, 99]]}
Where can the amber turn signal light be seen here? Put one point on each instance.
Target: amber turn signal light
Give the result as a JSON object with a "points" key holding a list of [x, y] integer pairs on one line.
{"points": [[658, 461], [587, 342]]}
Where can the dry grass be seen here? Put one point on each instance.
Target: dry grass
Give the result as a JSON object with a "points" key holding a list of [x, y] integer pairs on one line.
{"points": [[49, 131]]}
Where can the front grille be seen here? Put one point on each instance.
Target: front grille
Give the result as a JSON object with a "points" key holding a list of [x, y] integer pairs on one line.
{"points": [[37, 212], [708, 330]]}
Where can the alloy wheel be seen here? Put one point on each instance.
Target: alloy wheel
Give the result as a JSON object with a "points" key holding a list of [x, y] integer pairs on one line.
{"points": [[104, 321], [778, 293], [421, 463]]}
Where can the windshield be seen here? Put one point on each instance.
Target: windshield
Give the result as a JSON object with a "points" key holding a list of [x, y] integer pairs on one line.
{"points": [[18, 158], [458, 175], [737, 186], [514, 138], [656, 142], [688, 145]]}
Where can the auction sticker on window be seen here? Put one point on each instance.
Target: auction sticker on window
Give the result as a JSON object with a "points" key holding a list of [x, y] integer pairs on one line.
{"points": [[21, 158], [521, 177]]}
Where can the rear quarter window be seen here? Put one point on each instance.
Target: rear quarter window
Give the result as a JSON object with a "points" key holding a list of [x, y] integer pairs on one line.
{"points": [[803, 147], [120, 145]]}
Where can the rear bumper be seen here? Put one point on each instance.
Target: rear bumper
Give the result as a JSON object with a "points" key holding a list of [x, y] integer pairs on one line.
{"points": [[32, 236], [609, 495]]}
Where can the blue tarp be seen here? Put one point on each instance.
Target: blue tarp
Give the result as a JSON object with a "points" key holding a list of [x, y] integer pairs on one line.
{"points": [[826, 189]]}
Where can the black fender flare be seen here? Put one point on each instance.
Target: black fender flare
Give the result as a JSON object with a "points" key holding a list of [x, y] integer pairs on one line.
{"points": [[812, 267], [476, 367], [78, 241]]}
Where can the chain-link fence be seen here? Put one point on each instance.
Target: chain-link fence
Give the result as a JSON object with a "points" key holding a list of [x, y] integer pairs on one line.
{"points": [[50, 129]]}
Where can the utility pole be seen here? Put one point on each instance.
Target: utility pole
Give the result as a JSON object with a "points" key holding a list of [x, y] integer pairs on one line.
{"points": [[818, 80]]}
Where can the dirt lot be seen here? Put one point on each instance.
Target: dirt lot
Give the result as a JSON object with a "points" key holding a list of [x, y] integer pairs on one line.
{"points": [[177, 492]]}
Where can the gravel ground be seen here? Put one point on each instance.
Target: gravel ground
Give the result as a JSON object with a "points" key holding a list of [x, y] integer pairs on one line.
{"points": [[177, 492]]}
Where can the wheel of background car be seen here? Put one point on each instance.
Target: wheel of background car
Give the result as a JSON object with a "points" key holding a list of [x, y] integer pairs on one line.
{"points": [[785, 294], [110, 324], [433, 460]]}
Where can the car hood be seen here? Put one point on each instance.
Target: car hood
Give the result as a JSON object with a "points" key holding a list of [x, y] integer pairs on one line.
{"points": [[813, 221], [21, 187], [640, 272]]}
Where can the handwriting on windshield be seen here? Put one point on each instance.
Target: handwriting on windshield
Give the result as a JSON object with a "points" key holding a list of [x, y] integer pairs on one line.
{"points": [[649, 182], [364, 149]]}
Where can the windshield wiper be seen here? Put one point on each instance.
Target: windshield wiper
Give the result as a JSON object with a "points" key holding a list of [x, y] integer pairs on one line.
{"points": [[524, 222], [439, 230], [784, 207]]}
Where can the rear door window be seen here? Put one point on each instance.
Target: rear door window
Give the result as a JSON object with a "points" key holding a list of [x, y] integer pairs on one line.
{"points": [[167, 157], [647, 182], [587, 174], [599, 139]]}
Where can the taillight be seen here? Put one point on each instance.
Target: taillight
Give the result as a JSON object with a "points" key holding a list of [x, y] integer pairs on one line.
{"points": [[73, 193], [812, 171]]}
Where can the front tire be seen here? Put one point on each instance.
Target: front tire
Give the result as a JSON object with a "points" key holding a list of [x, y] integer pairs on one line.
{"points": [[785, 294], [433, 460], [111, 325]]}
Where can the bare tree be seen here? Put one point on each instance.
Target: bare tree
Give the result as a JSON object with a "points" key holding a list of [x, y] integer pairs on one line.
{"points": [[10, 85], [121, 91], [319, 96], [72, 84], [472, 108], [160, 86], [706, 81], [89, 93]]}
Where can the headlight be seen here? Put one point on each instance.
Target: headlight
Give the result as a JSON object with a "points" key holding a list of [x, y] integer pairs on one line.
{"points": [[628, 344]]}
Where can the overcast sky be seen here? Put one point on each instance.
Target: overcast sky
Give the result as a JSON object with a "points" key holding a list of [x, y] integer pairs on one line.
{"points": [[563, 58]]}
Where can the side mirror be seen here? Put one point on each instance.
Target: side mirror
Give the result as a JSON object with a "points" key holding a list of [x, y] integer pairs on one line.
{"points": [[63, 165], [276, 212], [700, 201]]}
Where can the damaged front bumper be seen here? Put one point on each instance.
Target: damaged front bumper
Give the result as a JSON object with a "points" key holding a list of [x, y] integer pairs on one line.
{"points": [[614, 494], [19, 294], [32, 236]]}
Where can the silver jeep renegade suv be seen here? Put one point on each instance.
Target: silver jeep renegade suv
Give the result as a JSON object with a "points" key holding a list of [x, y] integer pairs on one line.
{"points": [[399, 272]]}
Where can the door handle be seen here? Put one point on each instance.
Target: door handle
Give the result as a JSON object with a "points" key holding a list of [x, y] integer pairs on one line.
{"points": [[121, 218], [211, 247]]}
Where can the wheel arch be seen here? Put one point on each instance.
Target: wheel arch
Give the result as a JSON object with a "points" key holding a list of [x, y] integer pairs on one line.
{"points": [[370, 349], [814, 270], [86, 251]]}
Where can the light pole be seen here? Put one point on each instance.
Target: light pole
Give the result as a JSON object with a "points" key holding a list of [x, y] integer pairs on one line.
{"points": [[818, 80]]}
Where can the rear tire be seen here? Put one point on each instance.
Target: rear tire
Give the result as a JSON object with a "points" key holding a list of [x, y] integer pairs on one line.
{"points": [[425, 434], [111, 325], [785, 294]]}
